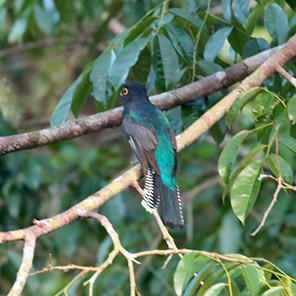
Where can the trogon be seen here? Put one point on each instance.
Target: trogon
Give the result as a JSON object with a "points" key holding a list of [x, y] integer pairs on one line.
{"points": [[153, 142]]}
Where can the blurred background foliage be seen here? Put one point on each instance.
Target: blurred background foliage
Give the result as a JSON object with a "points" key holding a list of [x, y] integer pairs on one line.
{"points": [[45, 45]]}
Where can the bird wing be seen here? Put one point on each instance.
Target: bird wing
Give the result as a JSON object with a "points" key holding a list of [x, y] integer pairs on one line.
{"points": [[174, 145], [143, 141]]}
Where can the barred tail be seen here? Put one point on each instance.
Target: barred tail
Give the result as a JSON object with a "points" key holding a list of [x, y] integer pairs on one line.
{"points": [[170, 202]]}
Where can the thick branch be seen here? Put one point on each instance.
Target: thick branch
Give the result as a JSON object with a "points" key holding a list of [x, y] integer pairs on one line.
{"points": [[22, 275], [76, 128], [208, 119], [89, 204]]}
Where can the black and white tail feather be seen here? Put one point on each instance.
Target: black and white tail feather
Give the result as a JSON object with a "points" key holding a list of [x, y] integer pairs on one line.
{"points": [[156, 193]]}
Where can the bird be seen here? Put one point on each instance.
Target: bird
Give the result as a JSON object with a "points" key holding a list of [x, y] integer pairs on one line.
{"points": [[150, 136]]}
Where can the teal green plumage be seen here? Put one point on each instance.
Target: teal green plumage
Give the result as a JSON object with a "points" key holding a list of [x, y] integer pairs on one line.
{"points": [[154, 144]]}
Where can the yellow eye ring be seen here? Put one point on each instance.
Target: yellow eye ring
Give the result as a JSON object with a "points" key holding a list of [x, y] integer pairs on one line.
{"points": [[125, 91]]}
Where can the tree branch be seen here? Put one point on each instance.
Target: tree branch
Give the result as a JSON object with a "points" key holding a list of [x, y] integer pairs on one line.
{"points": [[208, 119], [89, 204], [286, 75], [111, 118], [22, 275]]}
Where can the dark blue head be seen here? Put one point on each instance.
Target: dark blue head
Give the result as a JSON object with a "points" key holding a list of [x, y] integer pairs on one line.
{"points": [[133, 93]]}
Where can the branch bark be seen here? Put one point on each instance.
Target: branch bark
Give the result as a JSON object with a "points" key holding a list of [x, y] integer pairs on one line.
{"points": [[112, 118]]}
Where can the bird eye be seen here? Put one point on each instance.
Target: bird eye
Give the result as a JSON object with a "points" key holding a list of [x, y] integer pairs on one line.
{"points": [[125, 91]]}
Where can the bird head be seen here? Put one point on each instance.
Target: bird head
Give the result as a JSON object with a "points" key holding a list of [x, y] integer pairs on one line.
{"points": [[132, 93]]}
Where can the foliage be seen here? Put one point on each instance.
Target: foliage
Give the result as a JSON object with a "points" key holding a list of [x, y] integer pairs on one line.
{"points": [[167, 44]]}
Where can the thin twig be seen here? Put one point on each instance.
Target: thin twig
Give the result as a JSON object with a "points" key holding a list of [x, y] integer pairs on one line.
{"points": [[166, 236], [133, 285], [117, 249], [136, 185], [279, 186], [275, 195], [286, 75], [186, 251]]}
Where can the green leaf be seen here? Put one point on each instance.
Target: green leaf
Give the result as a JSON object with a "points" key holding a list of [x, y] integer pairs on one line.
{"points": [[162, 19], [292, 109], [255, 14], [292, 4], [142, 68], [209, 67], [240, 102], [32, 178], [138, 29], [276, 291], [241, 9], [285, 168], [251, 278], [191, 17], [115, 209], [99, 76], [81, 93], [185, 270], [15, 258], [214, 276], [19, 27], [19, 5], [229, 234], [204, 270], [262, 104], [175, 118], [246, 161], [215, 290], [218, 131], [127, 57], [226, 5], [228, 156], [245, 190], [238, 39], [254, 46], [104, 250], [182, 42], [68, 237], [215, 43], [3, 14], [164, 62], [64, 7], [289, 142], [62, 109], [46, 19], [276, 23], [183, 273], [2, 2]]}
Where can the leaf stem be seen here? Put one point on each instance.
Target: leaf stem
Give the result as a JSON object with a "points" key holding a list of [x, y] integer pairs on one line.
{"points": [[197, 41]]}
